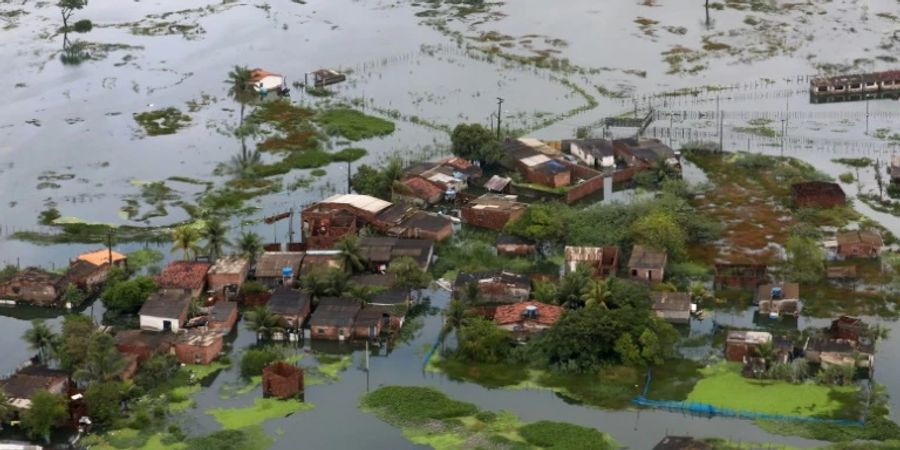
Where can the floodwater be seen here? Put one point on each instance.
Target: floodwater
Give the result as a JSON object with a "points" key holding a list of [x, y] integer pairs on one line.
{"points": [[73, 124]]}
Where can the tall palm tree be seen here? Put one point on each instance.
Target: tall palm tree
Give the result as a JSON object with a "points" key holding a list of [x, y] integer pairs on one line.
{"points": [[351, 253], [103, 362], [40, 338], [596, 293], [455, 316], [244, 164], [250, 245], [186, 239], [262, 321], [337, 282], [240, 88], [216, 235]]}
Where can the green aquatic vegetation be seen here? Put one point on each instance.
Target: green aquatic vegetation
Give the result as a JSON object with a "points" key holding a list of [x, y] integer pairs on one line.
{"points": [[847, 177], [162, 121], [854, 162], [349, 154], [758, 127], [263, 409], [352, 124], [318, 173], [558, 435]]}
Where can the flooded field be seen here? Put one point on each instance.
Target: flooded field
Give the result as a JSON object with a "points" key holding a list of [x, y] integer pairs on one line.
{"points": [[69, 139]]}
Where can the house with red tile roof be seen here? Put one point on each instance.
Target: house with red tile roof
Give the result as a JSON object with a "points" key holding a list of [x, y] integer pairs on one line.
{"points": [[418, 190], [527, 318], [185, 275]]}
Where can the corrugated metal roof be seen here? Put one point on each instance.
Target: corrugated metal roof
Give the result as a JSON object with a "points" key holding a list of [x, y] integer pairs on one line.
{"points": [[363, 202], [535, 160]]}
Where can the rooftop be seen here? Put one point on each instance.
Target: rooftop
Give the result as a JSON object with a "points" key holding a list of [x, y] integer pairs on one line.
{"points": [[509, 239], [492, 276], [497, 183], [386, 249], [583, 253], [270, 264], [25, 382], [167, 303], [336, 312], [422, 220], [515, 313], [646, 258], [221, 311], [143, 338], [497, 202], [817, 188], [535, 160], [183, 275], [671, 301], [286, 301], [750, 337], [199, 337], [362, 202], [552, 167], [421, 188], [101, 257], [789, 291], [229, 264], [856, 237], [598, 148]]}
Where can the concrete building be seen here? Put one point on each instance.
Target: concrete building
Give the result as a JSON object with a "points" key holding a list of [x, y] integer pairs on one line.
{"points": [[227, 275], [282, 380], [492, 211], [742, 344], [144, 344], [673, 307], [199, 346], [291, 306], [279, 268], [185, 275], [602, 261], [333, 319], [222, 316], [779, 300], [859, 244], [647, 264]]}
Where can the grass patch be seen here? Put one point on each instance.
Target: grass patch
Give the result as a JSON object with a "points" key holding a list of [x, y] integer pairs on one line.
{"points": [[847, 177], [162, 121], [403, 405], [263, 409], [723, 386], [758, 127], [352, 124], [558, 435], [349, 154], [854, 162]]}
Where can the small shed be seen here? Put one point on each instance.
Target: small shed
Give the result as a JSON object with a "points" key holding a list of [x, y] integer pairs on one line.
{"points": [[859, 244], [278, 268], [165, 310], [673, 307], [222, 316], [742, 344], [817, 194], [781, 299], [227, 275], [282, 380], [199, 346], [333, 319], [603, 261], [510, 245], [497, 184], [647, 264], [291, 305]]}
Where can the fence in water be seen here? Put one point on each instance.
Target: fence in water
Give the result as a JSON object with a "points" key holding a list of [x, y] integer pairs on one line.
{"points": [[707, 410]]}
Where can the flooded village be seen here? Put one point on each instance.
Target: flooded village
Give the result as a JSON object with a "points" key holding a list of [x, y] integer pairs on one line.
{"points": [[450, 224]]}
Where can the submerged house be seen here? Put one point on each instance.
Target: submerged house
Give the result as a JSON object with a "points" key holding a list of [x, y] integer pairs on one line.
{"points": [[595, 153], [673, 307], [90, 269], [492, 211], [282, 380], [165, 310], [779, 300], [372, 320], [859, 244], [741, 345], [496, 286], [227, 275], [740, 276], [817, 194], [291, 306], [603, 261], [828, 351], [143, 344], [189, 276], [222, 316], [32, 285], [333, 319], [647, 264], [527, 318], [199, 345], [27, 381], [380, 251], [278, 268]]}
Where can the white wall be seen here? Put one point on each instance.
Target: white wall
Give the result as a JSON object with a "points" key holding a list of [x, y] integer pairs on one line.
{"points": [[156, 323]]}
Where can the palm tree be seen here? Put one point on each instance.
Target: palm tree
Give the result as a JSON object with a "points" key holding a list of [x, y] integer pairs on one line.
{"points": [[244, 164], [41, 338], [103, 362], [250, 245], [240, 88], [186, 239], [337, 282], [262, 321], [361, 292], [456, 315], [216, 235], [596, 293], [351, 253]]}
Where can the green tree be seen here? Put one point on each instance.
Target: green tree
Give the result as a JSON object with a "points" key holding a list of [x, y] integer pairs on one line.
{"points": [[481, 341], [73, 296], [47, 411], [103, 400], [187, 239], [660, 230], [256, 359], [596, 293], [651, 350], [571, 287], [541, 222], [545, 292], [127, 297], [628, 351], [216, 235], [351, 253], [475, 143], [156, 370], [68, 7], [376, 182], [41, 339], [805, 259], [240, 89], [455, 316], [250, 245], [6, 408], [262, 321], [77, 330], [408, 274], [103, 362]]}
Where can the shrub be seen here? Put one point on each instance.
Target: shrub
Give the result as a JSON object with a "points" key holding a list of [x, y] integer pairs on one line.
{"points": [[253, 362], [847, 178], [558, 435], [83, 26], [411, 404], [253, 288]]}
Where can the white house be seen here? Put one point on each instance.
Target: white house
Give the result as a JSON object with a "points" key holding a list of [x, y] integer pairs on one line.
{"points": [[166, 310], [594, 152]]}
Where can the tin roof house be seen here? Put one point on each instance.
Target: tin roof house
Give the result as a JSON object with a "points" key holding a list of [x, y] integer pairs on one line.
{"points": [[165, 310], [189, 276], [779, 300], [673, 307], [647, 264]]}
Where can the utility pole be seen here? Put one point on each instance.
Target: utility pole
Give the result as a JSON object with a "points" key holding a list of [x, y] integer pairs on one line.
{"points": [[783, 132], [291, 228], [867, 116], [348, 177], [721, 132], [109, 246], [499, 114]]}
